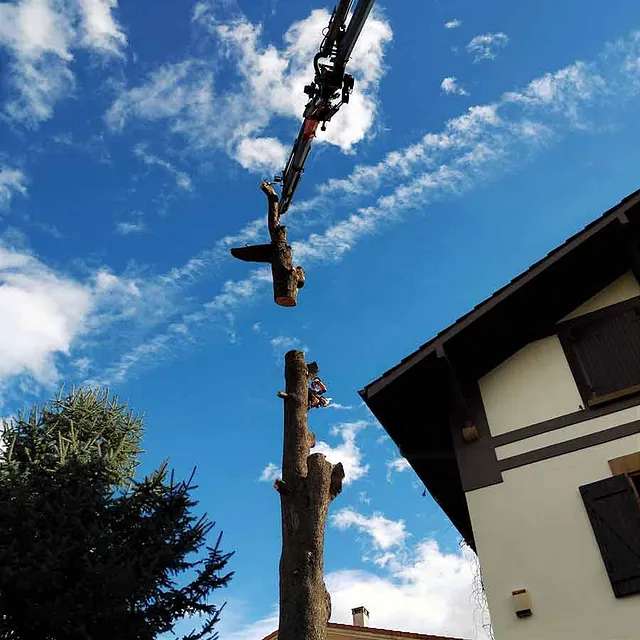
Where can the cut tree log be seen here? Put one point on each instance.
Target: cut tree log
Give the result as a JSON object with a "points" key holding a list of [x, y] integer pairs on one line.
{"points": [[287, 279], [309, 483]]}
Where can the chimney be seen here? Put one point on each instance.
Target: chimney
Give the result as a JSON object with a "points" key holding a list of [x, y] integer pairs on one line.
{"points": [[360, 617]]}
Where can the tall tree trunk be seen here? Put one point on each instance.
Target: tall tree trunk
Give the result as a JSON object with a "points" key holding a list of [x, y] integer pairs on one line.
{"points": [[309, 483]]}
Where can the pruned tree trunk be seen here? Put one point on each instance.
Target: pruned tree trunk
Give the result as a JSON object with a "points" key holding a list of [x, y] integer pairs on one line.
{"points": [[287, 279], [309, 483]]}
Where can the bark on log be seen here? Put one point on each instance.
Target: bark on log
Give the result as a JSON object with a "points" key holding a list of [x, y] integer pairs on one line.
{"points": [[309, 483], [287, 279]]}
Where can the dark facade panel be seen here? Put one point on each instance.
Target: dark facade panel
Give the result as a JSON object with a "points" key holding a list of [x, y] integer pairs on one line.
{"points": [[603, 350], [614, 513]]}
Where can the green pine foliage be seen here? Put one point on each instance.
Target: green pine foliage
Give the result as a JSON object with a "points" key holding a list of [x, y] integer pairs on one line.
{"points": [[87, 551]]}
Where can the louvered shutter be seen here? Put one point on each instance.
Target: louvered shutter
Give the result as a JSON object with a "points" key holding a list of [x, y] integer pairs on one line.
{"points": [[614, 511], [607, 352]]}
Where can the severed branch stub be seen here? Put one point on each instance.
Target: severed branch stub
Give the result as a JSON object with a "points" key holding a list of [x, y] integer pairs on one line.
{"points": [[287, 279], [309, 483]]}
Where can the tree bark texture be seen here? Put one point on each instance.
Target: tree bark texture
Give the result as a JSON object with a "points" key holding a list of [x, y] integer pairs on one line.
{"points": [[309, 483], [287, 279]]}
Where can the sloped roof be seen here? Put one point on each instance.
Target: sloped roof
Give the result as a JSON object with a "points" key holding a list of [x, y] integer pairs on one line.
{"points": [[412, 399], [498, 296], [372, 632]]}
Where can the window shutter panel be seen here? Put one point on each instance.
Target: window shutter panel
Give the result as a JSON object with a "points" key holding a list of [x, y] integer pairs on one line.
{"points": [[608, 352], [614, 512]]}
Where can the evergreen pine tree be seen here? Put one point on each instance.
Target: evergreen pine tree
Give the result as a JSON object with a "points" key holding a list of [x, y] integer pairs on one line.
{"points": [[87, 551]]}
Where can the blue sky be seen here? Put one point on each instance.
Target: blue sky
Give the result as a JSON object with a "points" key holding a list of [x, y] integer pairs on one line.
{"points": [[133, 139]]}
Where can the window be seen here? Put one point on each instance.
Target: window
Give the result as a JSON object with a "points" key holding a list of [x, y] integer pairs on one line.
{"points": [[613, 508], [603, 350]]}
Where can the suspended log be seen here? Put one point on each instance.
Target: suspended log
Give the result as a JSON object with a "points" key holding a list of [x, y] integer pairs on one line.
{"points": [[287, 279]]}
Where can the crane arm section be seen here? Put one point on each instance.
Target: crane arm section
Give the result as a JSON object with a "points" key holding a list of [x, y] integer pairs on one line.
{"points": [[329, 90]]}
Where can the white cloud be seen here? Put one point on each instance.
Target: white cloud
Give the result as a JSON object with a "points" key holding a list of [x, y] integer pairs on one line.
{"points": [[453, 24], [106, 283], [450, 86], [384, 533], [138, 356], [347, 452], [270, 473], [40, 36], [41, 314], [235, 292], [397, 465], [11, 181], [419, 590], [50, 320], [175, 91], [129, 228], [487, 45], [427, 591], [271, 85], [285, 343], [182, 179], [563, 91], [100, 30], [261, 154], [340, 407]]}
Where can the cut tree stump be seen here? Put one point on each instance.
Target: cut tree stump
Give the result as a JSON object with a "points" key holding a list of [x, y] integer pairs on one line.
{"points": [[287, 279], [309, 483]]}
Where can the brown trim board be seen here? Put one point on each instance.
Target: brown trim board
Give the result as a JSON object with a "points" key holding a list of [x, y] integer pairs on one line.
{"points": [[569, 446], [563, 421], [477, 461]]}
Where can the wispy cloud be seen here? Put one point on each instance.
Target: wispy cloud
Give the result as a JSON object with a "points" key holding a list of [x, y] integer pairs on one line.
{"points": [[486, 46], [270, 473], [453, 24], [182, 179], [564, 91], [40, 36], [384, 533], [11, 181], [397, 465], [129, 228], [451, 87], [284, 343]]}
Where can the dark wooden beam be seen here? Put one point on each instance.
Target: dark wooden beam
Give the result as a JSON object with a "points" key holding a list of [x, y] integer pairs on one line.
{"points": [[462, 415]]}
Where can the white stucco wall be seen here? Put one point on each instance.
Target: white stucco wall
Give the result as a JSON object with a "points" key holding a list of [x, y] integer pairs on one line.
{"points": [[532, 531], [536, 383], [621, 289]]}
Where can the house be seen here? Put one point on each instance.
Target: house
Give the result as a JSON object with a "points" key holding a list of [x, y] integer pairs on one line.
{"points": [[360, 630], [522, 419]]}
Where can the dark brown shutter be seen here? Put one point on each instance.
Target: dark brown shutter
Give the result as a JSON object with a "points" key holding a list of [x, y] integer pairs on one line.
{"points": [[607, 350], [614, 511]]}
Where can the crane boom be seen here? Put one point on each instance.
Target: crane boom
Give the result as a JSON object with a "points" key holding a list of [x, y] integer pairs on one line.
{"points": [[329, 90], [354, 30], [338, 18]]}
